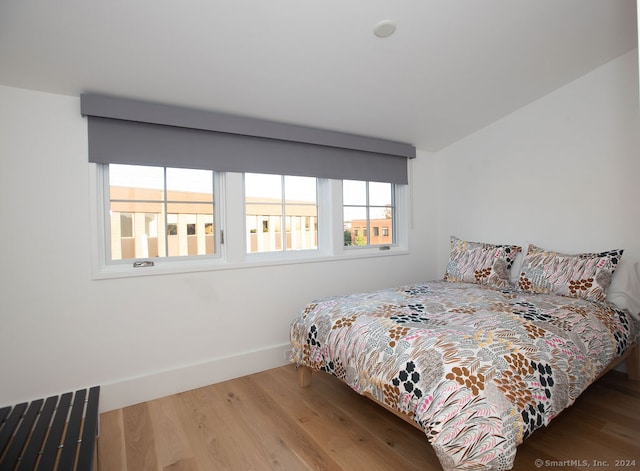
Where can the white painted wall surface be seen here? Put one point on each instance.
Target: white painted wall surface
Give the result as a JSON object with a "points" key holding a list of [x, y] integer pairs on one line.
{"points": [[141, 337], [562, 173]]}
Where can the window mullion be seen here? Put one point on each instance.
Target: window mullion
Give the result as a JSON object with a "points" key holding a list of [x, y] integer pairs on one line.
{"points": [[235, 217], [217, 239], [283, 211], [166, 215], [368, 214], [106, 206], [394, 215], [330, 217]]}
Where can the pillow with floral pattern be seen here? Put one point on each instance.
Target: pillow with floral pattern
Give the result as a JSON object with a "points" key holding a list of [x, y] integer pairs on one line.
{"points": [[480, 263], [582, 275]]}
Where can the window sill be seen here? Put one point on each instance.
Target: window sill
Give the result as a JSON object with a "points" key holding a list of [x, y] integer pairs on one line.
{"points": [[191, 266]]}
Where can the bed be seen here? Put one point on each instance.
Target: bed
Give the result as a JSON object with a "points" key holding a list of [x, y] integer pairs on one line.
{"points": [[477, 360]]}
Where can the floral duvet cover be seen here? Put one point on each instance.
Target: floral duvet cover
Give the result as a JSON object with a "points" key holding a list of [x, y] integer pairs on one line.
{"points": [[478, 369]]}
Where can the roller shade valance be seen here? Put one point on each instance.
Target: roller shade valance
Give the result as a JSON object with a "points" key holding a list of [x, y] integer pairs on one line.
{"points": [[135, 132]]}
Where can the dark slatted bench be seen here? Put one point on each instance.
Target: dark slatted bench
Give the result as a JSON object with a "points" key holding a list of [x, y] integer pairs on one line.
{"points": [[58, 433]]}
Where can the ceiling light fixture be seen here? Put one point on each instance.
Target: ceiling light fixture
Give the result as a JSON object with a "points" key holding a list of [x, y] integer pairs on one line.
{"points": [[384, 28]]}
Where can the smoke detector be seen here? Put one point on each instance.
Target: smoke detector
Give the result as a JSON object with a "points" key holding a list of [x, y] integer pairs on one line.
{"points": [[384, 28]]}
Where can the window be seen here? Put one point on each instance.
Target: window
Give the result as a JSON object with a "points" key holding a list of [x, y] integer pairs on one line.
{"points": [[166, 220], [368, 213], [281, 213], [156, 212]]}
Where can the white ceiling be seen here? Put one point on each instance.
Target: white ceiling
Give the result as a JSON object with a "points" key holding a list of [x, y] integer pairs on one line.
{"points": [[451, 68]]}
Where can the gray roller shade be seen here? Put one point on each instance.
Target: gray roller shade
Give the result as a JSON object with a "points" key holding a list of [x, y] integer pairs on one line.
{"points": [[135, 132]]}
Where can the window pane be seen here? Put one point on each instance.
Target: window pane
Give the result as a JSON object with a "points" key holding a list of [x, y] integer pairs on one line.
{"points": [[380, 213], [264, 234], [134, 229], [301, 210], [263, 209], [140, 225], [261, 187], [381, 231], [354, 192], [135, 234], [190, 229], [126, 225], [355, 226], [301, 227], [276, 225], [136, 182], [368, 220], [136, 207], [300, 189], [380, 194], [189, 185]]}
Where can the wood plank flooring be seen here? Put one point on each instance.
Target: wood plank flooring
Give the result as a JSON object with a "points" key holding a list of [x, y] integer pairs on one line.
{"points": [[266, 421]]}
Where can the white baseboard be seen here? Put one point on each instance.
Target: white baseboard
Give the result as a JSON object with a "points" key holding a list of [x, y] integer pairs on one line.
{"points": [[131, 391]]}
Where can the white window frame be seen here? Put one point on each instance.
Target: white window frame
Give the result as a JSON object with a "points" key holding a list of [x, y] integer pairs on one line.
{"points": [[104, 267], [324, 203], [230, 218], [394, 203], [401, 201]]}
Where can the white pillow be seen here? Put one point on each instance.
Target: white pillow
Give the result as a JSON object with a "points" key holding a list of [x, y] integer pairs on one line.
{"points": [[624, 290], [514, 275]]}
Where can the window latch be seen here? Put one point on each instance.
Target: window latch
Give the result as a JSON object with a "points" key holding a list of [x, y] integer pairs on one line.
{"points": [[143, 264]]}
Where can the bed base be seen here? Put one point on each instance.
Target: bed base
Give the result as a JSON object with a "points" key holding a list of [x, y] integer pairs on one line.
{"points": [[631, 359]]}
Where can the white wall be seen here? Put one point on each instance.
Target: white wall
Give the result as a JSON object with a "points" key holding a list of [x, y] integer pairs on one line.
{"points": [[562, 173], [141, 337]]}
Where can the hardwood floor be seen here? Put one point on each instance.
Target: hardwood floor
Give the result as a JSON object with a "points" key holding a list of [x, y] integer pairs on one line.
{"points": [[266, 421]]}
